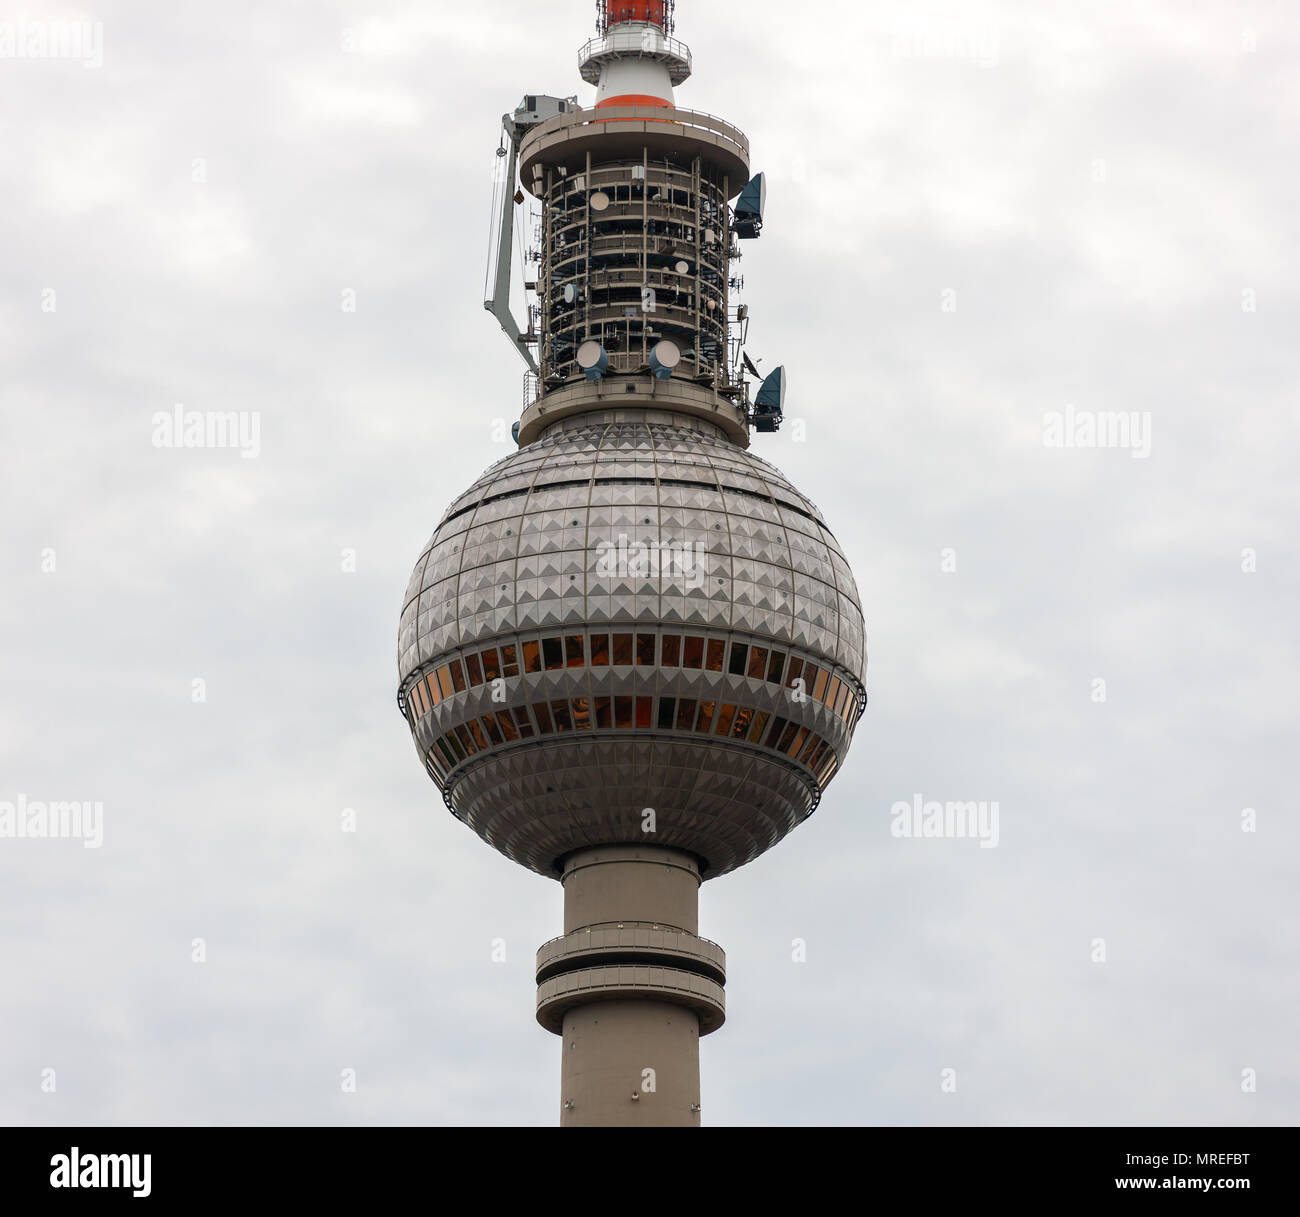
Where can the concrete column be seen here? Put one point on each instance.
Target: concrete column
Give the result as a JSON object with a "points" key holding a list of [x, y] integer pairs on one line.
{"points": [[630, 988]]}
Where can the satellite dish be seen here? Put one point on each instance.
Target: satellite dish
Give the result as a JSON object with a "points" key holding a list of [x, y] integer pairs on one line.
{"points": [[593, 359], [683, 268], [570, 293], [665, 356], [710, 304], [599, 201]]}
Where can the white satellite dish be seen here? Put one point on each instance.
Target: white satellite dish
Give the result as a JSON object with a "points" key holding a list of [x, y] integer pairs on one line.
{"points": [[599, 201], [591, 356], [570, 293], [683, 268], [666, 354]]}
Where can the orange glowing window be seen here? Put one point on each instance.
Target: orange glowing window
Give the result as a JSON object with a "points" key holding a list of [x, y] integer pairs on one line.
{"points": [[581, 714], [466, 741], [739, 659], [509, 661], [622, 650], [473, 670], [560, 712], [686, 713], [717, 652], [757, 663], [434, 693], [760, 721], [667, 713], [819, 689], [600, 650], [693, 653], [477, 732], [523, 723], [672, 650], [833, 693], [457, 676], [645, 650], [744, 716], [783, 743], [796, 670], [725, 718], [543, 716], [491, 665], [604, 712], [644, 712], [508, 731], [705, 722], [814, 742], [775, 665], [575, 651], [444, 681], [809, 677], [532, 657], [552, 654], [622, 711], [794, 747]]}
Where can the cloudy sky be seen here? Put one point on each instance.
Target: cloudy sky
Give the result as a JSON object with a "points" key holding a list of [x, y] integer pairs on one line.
{"points": [[983, 216]]}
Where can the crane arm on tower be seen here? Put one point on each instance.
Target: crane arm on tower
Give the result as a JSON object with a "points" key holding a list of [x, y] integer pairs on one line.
{"points": [[498, 303]]}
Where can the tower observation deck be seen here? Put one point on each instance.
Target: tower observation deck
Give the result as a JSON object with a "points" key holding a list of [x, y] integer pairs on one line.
{"points": [[632, 655]]}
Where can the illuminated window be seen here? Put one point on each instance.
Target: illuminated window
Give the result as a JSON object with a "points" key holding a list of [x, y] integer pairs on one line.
{"points": [[757, 663], [717, 652], [435, 692], [810, 749], [604, 712], [686, 713], [509, 661], [444, 681], [473, 671], [622, 650], [833, 693], [739, 659], [744, 716], [705, 722], [457, 676], [774, 667], [672, 650], [560, 712], [552, 654], [507, 727], [667, 712], [477, 732], [493, 731], [796, 669], [600, 650], [466, 741], [795, 746], [543, 717], [725, 719], [693, 653], [491, 665], [644, 711], [645, 650], [532, 657], [581, 714], [778, 727], [760, 721], [523, 722], [622, 711], [575, 652], [819, 690]]}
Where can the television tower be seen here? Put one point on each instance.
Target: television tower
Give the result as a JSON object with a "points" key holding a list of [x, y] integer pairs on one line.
{"points": [[632, 654]]}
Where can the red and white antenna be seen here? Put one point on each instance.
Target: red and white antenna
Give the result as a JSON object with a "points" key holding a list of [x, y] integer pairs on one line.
{"points": [[634, 61]]}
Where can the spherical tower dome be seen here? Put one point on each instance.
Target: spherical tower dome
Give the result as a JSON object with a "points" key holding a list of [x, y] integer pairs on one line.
{"points": [[632, 613]]}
